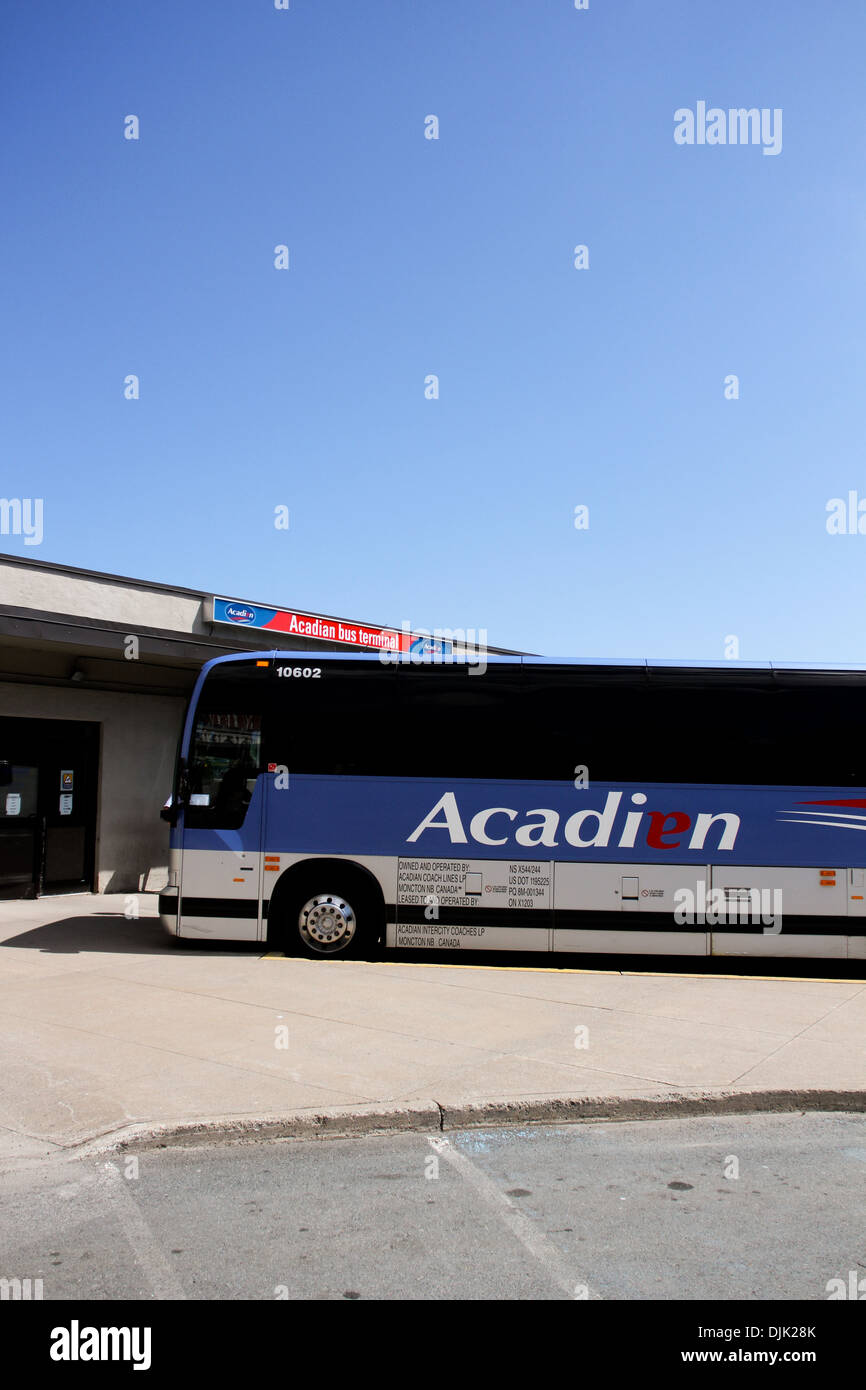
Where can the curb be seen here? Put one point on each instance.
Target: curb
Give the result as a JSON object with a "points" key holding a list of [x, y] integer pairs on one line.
{"points": [[436, 1118], [679, 1105], [294, 1124]]}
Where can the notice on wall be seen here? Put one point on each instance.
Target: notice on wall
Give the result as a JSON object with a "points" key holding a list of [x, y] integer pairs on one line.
{"points": [[66, 805], [67, 778], [13, 803]]}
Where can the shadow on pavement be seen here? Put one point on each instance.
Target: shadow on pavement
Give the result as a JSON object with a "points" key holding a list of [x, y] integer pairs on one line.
{"points": [[116, 934]]}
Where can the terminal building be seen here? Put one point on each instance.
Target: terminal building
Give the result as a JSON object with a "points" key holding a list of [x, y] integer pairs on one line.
{"points": [[95, 673]]}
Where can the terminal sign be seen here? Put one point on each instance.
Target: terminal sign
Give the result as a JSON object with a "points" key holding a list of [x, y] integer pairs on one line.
{"points": [[304, 625]]}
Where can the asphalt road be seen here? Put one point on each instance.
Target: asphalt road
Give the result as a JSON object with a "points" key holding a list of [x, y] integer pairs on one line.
{"points": [[760, 1207]]}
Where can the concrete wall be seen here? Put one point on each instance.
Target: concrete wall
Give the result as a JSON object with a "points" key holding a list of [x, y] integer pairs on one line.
{"points": [[108, 599], [139, 741]]}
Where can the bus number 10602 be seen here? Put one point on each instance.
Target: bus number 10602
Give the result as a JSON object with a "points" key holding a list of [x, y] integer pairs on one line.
{"points": [[305, 672]]}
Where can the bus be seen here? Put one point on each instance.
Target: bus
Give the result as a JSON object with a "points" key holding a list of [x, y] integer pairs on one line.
{"points": [[334, 805]]}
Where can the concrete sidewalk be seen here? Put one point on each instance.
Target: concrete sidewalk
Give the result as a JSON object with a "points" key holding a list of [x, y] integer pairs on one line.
{"points": [[107, 1027]]}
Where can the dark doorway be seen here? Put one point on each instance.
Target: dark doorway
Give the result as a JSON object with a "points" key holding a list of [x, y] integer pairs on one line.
{"points": [[48, 788]]}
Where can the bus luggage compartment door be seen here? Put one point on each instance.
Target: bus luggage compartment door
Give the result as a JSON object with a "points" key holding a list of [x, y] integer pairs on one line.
{"points": [[628, 908]]}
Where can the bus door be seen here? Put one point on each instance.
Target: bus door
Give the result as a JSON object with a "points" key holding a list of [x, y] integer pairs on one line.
{"points": [[220, 827]]}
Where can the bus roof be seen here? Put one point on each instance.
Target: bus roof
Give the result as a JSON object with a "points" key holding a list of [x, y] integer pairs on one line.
{"points": [[646, 664]]}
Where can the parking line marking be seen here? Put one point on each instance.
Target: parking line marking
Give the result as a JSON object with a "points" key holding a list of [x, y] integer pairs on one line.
{"points": [[531, 1238], [153, 1264]]}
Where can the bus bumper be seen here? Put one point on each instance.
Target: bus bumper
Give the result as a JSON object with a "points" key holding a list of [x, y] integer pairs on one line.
{"points": [[168, 905]]}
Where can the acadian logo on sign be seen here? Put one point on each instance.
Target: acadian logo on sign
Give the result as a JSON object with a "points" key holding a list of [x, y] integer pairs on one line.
{"points": [[236, 614], [429, 646]]}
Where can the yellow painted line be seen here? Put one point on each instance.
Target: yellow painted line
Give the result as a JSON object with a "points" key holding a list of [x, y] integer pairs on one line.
{"points": [[512, 969], [576, 970], [641, 974]]}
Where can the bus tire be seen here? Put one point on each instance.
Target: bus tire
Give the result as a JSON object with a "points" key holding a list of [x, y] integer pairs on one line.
{"points": [[329, 915]]}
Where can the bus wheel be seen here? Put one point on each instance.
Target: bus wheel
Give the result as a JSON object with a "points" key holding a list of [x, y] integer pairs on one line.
{"points": [[337, 921]]}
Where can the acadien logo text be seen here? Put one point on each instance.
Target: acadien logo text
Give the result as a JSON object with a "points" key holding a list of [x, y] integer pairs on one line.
{"points": [[77, 1343], [736, 126], [585, 829]]}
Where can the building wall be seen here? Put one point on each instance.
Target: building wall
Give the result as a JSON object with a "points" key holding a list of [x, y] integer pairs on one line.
{"points": [[136, 765], [108, 599]]}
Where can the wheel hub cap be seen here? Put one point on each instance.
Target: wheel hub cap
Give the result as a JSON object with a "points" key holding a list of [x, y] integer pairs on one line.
{"points": [[327, 923]]}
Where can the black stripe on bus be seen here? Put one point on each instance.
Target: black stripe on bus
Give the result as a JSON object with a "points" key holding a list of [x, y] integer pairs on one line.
{"points": [[594, 919], [586, 919], [408, 914]]}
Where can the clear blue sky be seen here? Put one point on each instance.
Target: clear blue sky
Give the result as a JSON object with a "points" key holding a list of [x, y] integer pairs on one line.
{"points": [[409, 256]]}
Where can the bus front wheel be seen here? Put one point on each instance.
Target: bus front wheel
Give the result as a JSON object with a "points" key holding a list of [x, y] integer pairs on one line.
{"points": [[329, 919]]}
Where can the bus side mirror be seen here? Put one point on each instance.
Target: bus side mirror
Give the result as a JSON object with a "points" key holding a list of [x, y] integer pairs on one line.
{"points": [[178, 798]]}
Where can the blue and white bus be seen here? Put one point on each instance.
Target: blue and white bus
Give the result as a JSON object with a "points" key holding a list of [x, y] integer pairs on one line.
{"points": [[330, 804]]}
